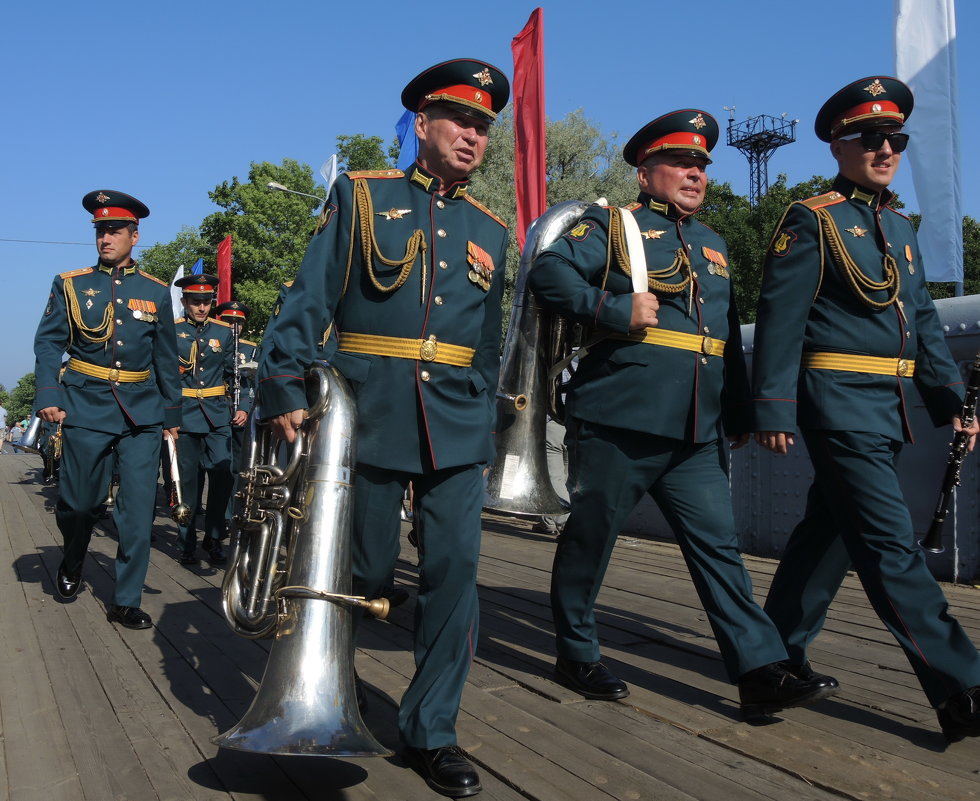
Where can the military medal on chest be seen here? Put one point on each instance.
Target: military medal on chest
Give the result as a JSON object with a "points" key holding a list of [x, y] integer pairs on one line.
{"points": [[908, 256], [481, 266]]}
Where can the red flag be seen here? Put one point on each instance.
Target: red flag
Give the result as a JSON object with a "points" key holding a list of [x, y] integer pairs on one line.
{"points": [[529, 132], [224, 270]]}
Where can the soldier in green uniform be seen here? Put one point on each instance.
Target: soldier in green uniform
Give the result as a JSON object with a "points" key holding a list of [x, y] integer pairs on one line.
{"points": [[407, 270], [242, 388], [207, 358], [119, 391], [846, 332], [648, 406]]}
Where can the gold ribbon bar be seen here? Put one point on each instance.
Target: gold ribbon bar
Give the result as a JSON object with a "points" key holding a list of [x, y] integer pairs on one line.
{"points": [[850, 363], [426, 350], [203, 392], [677, 339], [107, 373]]}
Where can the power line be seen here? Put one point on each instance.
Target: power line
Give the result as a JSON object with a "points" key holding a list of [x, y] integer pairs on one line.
{"points": [[48, 242]]}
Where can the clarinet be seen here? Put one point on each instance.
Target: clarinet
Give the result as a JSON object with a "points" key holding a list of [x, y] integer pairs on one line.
{"points": [[933, 541], [237, 378]]}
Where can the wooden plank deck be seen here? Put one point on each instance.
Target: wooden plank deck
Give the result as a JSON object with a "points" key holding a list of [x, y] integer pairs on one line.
{"points": [[89, 712]]}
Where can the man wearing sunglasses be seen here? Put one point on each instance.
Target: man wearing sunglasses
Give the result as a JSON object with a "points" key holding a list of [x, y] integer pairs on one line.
{"points": [[846, 332]]}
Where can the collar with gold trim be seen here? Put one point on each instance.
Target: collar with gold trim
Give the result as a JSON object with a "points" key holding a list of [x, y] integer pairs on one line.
{"points": [[853, 191], [668, 210], [110, 270], [430, 183]]}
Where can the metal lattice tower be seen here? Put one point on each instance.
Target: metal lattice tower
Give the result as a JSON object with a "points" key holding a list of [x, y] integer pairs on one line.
{"points": [[757, 138]]}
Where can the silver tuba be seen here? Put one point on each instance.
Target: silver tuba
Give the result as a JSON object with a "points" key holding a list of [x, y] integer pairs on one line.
{"points": [[518, 482], [29, 441], [290, 576]]}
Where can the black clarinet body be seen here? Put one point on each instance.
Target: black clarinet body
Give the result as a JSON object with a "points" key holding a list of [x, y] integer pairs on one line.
{"points": [[933, 540]]}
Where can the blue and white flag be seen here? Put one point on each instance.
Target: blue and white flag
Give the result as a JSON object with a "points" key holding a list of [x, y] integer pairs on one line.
{"points": [[925, 58], [176, 292], [407, 141], [328, 171]]}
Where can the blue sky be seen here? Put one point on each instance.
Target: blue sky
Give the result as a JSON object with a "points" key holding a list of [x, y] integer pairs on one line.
{"points": [[166, 100]]}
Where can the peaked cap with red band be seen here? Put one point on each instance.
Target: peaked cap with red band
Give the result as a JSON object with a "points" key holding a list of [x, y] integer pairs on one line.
{"points": [[232, 310], [108, 205], [202, 284], [478, 87], [689, 131], [864, 105]]}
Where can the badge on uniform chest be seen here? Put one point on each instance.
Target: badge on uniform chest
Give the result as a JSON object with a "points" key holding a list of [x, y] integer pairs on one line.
{"points": [[215, 345], [481, 266]]}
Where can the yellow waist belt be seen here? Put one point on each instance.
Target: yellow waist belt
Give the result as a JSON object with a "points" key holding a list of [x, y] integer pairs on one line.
{"points": [[203, 392], [426, 350], [106, 373], [677, 339], [876, 365]]}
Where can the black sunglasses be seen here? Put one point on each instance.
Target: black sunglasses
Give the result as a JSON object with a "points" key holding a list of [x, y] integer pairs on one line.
{"points": [[873, 140]]}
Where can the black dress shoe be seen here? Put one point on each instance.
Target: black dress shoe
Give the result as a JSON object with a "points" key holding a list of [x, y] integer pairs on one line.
{"points": [[68, 584], [960, 716], [446, 770], [216, 556], [187, 558], [779, 686], [591, 679], [131, 617]]}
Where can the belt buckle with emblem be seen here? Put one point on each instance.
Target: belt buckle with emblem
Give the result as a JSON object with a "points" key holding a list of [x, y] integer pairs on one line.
{"points": [[903, 367], [428, 349]]}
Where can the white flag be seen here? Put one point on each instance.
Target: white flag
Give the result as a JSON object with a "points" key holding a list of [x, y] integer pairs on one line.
{"points": [[328, 171], [925, 58], [176, 292]]}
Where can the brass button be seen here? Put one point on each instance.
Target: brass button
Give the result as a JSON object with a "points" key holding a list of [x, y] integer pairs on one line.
{"points": [[700, 300], [704, 360], [438, 300], [424, 375], [118, 281], [443, 265], [118, 322], [118, 364], [707, 330], [441, 233], [441, 204], [119, 342], [694, 274], [114, 376], [118, 300]]}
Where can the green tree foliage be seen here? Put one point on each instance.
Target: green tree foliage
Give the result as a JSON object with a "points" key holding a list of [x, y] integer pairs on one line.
{"points": [[163, 260], [747, 229], [360, 152], [4, 396], [21, 400]]}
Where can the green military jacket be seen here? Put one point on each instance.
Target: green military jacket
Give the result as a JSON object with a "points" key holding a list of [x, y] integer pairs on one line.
{"points": [[113, 318], [666, 391], [207, 361], [447, 282], [808, 304]]}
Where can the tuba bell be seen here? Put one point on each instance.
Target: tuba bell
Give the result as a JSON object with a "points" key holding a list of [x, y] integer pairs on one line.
{"points": [[518, 483], [289, 576], [29, 441]]}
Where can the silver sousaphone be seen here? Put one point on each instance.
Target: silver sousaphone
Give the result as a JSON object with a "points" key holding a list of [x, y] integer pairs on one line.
{"points": [[290, 578]]}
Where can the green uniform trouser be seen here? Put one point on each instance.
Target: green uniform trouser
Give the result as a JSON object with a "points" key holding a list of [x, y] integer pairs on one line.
{"points": [[212, 452], [609, 470], [447, 521], [86, 469], [856, 515]]}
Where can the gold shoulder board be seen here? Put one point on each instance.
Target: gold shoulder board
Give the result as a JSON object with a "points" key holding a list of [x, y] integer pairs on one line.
{"points": [[374, 174], [145, 274], [73, 273], [819, 201], [485, 210]]}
